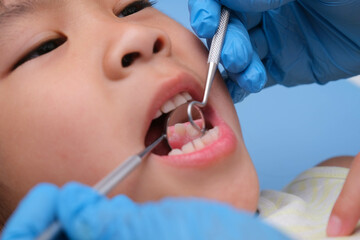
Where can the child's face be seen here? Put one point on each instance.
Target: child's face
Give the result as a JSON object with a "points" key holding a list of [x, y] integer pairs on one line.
{"points": [[77, 111]]}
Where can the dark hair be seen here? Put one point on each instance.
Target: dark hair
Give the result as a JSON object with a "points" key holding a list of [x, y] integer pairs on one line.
{"points": [[3, 216], [5, 210]]}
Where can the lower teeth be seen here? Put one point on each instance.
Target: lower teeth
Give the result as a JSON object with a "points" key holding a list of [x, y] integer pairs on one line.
{"points": [[210, 136]]}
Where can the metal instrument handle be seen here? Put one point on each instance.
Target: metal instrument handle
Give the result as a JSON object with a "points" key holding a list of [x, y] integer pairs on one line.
{"points": [[105, 185], [213, 60], [215, 52], [218, 39]]}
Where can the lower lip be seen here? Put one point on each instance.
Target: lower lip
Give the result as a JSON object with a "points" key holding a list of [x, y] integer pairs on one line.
{"points": [[216, 151]]}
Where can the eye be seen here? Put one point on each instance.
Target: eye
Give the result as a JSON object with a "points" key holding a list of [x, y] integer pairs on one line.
{"points": [[135, 7], [43, 49]]}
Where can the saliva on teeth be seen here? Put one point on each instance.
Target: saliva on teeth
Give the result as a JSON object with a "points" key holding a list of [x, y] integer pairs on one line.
{"points": [[197, 144]]}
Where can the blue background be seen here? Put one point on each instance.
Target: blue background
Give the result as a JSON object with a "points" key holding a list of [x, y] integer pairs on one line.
{"points": [[288, 130]]}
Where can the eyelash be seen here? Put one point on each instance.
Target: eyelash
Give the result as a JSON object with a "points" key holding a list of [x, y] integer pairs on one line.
{"points": [[52, 44], [43, 49], [135, 7]]}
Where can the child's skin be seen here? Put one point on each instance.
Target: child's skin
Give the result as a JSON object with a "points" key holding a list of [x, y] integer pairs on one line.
{"points": [[76, 112]]}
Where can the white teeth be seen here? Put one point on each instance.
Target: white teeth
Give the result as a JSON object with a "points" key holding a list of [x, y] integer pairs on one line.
{"points": [[175, 152], [207, 139], [180, 129], [158, 114], [179, 100], [187, 96], [168, 107], [188, 148], [191, 131], [197, 144], [211, 136], [214, 132], [173, 103]]}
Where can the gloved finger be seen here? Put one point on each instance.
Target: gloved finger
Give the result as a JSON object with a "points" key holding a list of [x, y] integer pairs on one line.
{"points": [[237, 51], [346, 212], [74, 200], [34, 214], [236, 92], [259, 43], [250, 20], [85, 214], [197, 219], [204, 17], [253, 6], [254, 78]]}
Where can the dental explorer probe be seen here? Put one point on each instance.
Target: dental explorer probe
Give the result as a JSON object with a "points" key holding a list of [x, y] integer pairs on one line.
{"points": [[105, 185], [213, 60]]}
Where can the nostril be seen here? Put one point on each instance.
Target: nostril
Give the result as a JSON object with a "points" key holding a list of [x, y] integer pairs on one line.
{"points": [[158, 45], [129, 58]]}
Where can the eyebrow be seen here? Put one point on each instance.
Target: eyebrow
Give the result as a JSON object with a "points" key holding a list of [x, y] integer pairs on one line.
{"points": [[18, 9]]}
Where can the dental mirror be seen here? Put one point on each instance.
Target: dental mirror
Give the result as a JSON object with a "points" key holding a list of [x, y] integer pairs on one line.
{"points": [[177, 128], [178, 124], [213, 60]]}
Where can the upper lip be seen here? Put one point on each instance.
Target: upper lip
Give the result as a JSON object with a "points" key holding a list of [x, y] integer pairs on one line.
{"points": [[181, 82]]}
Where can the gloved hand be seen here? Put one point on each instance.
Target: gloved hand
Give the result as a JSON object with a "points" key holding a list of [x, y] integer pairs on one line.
{"points": [[85, 214], [299, 42]]}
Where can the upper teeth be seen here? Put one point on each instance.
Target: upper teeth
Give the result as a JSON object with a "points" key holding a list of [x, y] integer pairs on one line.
{"points": [[173, 103]]}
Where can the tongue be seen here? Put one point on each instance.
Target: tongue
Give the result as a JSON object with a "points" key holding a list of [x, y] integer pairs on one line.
{"points": [[182, 134]]}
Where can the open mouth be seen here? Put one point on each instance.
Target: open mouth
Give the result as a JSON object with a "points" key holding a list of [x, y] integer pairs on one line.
{"points": [[185, 146], [183, 138]]}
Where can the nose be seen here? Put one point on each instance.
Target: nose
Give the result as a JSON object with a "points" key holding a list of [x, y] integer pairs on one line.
{"points": [[132, 46]]}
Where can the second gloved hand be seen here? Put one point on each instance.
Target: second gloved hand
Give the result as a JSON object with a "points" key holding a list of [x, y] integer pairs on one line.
{"points": [[242, 65], [85, 214], [299, 42]]}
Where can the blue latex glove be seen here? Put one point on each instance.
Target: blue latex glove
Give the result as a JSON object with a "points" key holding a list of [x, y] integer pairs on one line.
{"points": [[85, 214], [299, 42]]}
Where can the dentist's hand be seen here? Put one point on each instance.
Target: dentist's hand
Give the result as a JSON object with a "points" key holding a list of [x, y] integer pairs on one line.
{"points": [[299, 42], [85, 214]]}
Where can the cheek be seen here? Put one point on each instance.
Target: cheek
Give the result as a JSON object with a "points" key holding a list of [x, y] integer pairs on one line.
{"points": [[193, 54], [61, 134], [186, 47]]}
